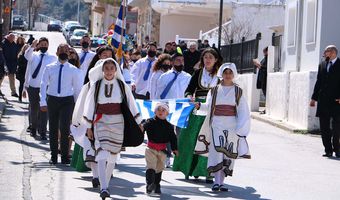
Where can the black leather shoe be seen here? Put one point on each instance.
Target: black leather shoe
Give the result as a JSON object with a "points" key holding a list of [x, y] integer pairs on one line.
{"points": [[43, 137], [53, 161], [104, 193], [215, 187], [95, 183], [33, 132], [28, 129], [327, 155], [66, 161], [15, 95]]}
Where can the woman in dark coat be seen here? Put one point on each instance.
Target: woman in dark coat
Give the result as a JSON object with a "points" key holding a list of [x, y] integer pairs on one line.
{"points": [[21, 70]]}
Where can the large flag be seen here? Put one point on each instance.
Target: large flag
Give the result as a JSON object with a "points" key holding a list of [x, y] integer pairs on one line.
{"points": [[179, 110], [118, 37]]}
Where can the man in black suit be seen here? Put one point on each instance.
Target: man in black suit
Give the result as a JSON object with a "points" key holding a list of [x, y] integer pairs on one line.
{"points": [[327, 94]]}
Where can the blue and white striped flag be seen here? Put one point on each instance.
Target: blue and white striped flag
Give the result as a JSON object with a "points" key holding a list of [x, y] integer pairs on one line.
{"points": [[179, 110], [120, 27]]}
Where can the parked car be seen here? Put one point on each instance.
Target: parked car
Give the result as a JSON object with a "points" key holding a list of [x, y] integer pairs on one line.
{"points": [[18, 22], [76, 37], [67, 25], [54, 26], [71, 29], [97, 42]]}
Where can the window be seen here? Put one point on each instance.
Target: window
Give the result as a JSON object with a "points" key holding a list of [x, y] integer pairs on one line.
{"points": [[292, 20], [311, 21]]}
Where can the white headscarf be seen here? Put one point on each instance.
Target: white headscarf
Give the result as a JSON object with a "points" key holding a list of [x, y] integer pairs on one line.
{"points": [[225, 66], [96, 73]]}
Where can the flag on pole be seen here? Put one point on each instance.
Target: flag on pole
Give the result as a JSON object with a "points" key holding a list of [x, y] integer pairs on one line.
{"points": [[118, 37], [179, 110]]}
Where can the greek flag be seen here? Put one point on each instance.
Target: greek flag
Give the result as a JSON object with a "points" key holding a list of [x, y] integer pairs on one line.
{"points": [[120, 26], [179, 110]]}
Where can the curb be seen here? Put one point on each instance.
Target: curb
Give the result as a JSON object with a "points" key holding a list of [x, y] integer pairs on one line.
{"points": [[278, 123]]}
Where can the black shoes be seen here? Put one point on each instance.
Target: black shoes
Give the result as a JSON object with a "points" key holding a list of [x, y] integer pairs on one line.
{"points": [[43, 137], [54, 160], [95, 183], [104, 193], [33, 132], [65, 161], [28, 129], [15, 95], [217, 187], [327, 155]]}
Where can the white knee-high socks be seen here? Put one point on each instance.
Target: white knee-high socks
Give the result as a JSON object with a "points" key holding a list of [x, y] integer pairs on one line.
{"points": [[94, 168], [219, 177], [105, 169]]}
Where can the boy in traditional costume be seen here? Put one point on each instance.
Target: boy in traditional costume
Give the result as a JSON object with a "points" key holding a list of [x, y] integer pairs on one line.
{"points": [[111, 111], [223, 135], [159, 132]]}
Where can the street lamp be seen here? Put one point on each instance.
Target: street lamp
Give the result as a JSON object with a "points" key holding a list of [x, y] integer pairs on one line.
{"points": [[220, 25]]}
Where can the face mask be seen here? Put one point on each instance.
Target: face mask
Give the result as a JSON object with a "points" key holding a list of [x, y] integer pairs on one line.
{"points": [[327, 59], [151, 53], [43, 49], [179, 68], [72, 61], [63, 56], [85, 45], [166, 67]]}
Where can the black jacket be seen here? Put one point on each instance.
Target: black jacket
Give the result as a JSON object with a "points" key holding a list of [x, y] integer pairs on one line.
{"points": [[327, 90], [22, 65], [190, 60], [160, 131]]}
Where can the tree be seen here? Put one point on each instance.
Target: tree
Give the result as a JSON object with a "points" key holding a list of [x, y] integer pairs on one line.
{"points": [[36, 6], [236, 30]]}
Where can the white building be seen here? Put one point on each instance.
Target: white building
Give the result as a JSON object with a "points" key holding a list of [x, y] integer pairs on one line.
{"points": [[183, 17], [310, 25]]}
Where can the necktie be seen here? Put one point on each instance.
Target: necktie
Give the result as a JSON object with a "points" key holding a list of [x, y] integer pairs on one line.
{"points": [[167, 88], [329, 66], [36, 71], [59, 78], [146, 75], [83, 58]]}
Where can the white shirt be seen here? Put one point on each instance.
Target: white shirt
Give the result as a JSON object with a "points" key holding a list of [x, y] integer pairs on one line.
{"points": [[88, 58], [127, 76], [207, 80], [329, 64], [177, 89], [70, 82], [33, 60], [138, 70], [153, 83]]}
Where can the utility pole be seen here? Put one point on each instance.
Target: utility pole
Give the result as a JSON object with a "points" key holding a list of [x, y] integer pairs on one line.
{"points": [[6, 16], [78, 11], [220, 25]]}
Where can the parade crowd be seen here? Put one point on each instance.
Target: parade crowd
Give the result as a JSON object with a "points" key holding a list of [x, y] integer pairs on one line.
{"points": [[90, 98]]}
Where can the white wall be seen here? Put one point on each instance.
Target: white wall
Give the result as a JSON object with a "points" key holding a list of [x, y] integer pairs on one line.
{"points": [[301, 86], [277, 95], [248, 84], [183, 25]]}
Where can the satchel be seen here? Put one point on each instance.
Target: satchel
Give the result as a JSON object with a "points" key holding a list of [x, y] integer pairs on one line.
{"points": [[133, 135]]}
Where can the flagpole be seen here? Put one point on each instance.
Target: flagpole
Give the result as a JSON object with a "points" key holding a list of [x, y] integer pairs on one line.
{"points": [[122, 31]]}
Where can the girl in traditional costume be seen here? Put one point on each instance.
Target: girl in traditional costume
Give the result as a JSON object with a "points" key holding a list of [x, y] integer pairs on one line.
{"points": [[202, 80], [223, 135], [107, 103]]}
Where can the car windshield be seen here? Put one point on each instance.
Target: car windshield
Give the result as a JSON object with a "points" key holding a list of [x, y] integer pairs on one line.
{"points": [[79, 33], [77, 27]]}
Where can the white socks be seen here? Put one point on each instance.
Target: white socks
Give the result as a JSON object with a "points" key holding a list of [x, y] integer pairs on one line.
{"points": [[105, 169], [94, 168], [219, 177]]}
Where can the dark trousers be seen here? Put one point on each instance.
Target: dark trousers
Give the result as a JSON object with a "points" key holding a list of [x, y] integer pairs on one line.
{"points": [[330, 136], [21, 88], [60, 113], [38, 119]]}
